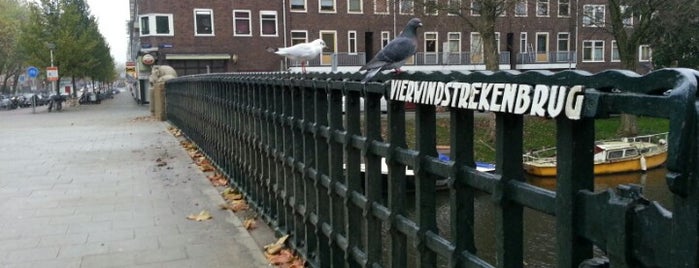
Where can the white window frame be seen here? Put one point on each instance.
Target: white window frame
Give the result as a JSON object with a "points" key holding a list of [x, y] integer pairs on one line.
{"points": [[614, 52], [649, 53], [589, 16], [567, 4], [593, 47], [475, 8], [454, 37], [434, 6], [388, 7], [276, 22], [559, 39], [523, 41], [546, 44], [153, 24], [454, 5], [476, 48], [361, 7], [526, 8], [320, 7], [401, 8], [352, 42], [305, 6], [628, 22], [385, 38], [211, 17], [296, 40], [235, 22], [548, 8], [435, 39]]}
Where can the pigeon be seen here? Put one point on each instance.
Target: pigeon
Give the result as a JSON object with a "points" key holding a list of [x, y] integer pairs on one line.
{"points": [[395, 53], [302, 52]]}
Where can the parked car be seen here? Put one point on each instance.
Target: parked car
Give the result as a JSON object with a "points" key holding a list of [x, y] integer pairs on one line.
{"points": [[6, 103]]}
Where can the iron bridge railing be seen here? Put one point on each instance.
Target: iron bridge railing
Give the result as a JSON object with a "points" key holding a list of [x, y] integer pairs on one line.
{"points": [[314, 172]]}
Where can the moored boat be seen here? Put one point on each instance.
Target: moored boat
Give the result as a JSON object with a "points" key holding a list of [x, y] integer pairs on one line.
{"points": [[627, 154]]}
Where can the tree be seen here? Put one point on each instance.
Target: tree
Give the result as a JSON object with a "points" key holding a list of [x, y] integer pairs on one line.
{"points": [[630, 23], [80, 50], [12, 15], [676, 42]]}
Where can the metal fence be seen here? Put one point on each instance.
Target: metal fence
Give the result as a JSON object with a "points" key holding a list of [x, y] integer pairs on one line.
{"points": [[314, 172]]}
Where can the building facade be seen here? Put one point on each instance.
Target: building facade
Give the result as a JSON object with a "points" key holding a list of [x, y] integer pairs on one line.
{"points": [[232, 36]]}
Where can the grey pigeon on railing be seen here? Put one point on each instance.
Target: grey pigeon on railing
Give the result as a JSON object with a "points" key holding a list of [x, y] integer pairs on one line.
{"points": [[301, 52], [395, 53]]}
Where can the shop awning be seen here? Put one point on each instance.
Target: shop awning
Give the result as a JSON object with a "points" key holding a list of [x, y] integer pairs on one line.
{"points": [[197, 56]]}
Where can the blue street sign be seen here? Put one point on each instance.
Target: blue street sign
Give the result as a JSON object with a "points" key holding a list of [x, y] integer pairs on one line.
{"points": [[33, 72]]}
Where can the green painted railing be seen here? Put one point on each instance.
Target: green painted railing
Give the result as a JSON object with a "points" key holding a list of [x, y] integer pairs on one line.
{"points": [[307, 149]]}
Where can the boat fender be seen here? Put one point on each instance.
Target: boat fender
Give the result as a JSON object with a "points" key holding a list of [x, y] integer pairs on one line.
{"points": [[643, 163]]}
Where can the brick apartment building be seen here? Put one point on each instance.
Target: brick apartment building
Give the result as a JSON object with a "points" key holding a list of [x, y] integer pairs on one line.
{"points": [[231, 36]]}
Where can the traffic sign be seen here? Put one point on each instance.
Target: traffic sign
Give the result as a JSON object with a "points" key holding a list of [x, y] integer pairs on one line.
{"points": [[33, 72], [52, 73]]}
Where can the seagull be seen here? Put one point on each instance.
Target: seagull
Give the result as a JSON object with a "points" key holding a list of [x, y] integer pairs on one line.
{"points": [[395, 53], [302, 52]]}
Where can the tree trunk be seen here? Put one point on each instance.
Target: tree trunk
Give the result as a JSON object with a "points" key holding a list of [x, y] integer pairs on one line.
{"points": [[628, 126]]}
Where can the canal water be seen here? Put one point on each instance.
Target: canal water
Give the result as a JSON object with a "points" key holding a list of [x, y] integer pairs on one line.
{"points": [[539, 228]]}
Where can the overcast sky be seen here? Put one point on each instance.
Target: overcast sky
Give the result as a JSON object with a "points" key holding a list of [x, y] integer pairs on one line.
{"points": [[112, 16]]}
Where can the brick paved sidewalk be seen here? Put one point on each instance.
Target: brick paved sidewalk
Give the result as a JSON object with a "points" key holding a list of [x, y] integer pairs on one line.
{"points": [[83, 188]]}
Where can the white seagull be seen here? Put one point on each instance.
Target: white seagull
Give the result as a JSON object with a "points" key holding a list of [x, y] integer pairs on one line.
{"points": [[301, 52]]}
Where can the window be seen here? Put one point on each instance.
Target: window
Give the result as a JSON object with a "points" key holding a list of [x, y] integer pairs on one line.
{"points": [[431, 7], [542, 8], [431, 42], [385, 38], [523, 42], [564, 42], [298, 5], [203, 22], [354, 6], [644, 53], [476, 48], [454, 42], [615, 52], [521, 8], [298, 37], [268, 23], [145, 26], [593, 16], [381, 7], [542, 47], [454, 7], [431, 48], [475, 8], [627, 16], [406, 7], [352, 42], [563, 53], [241, 23], [327, 6], [330, 39], [564, 8], [161, 22], [593, 51]]}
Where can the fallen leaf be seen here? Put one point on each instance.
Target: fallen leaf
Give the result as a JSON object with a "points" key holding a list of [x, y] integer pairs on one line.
{"points": [[218, 179], [250, 224], [276, 247], [284, 256], [202, 216]]}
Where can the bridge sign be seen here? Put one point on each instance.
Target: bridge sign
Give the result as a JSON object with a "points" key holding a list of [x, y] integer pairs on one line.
{"points": [[33, 72]]}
